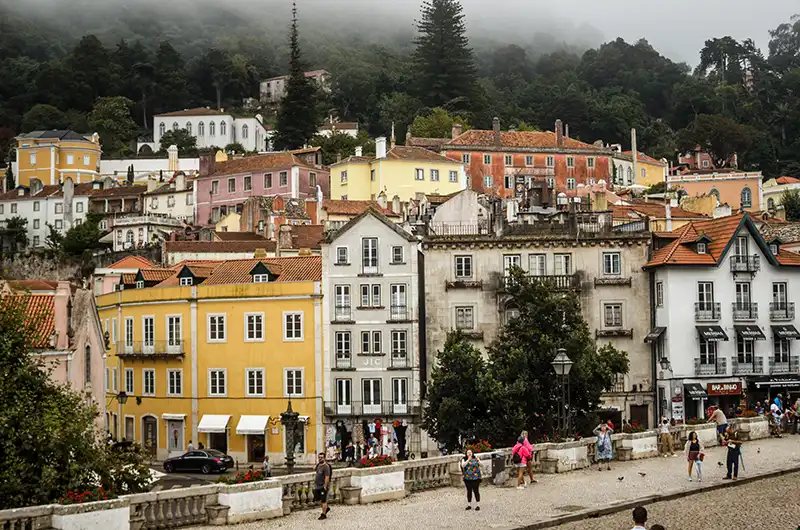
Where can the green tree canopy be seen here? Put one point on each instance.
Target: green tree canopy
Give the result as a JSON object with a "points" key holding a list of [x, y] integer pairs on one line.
{"points": [[717, 135], [790, 200], [183, 139], [15, 233], [436, 124], [43, 117], [83, 237], [111, 119]]}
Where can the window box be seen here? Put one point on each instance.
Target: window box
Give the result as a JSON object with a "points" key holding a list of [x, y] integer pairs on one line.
{"points": [[627, 333], [598, 282], [463, 284]]}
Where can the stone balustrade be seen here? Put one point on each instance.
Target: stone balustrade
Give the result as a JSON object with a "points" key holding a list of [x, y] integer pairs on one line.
{"points": [[222, 504]]}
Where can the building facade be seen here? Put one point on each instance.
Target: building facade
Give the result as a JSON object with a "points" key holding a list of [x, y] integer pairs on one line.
{"points": [[174, 198], [170, 354], [52, 156], [724, 317], [773, 191], [212, 128], [739, 189], [373, 358], [274, 88], [649, 170]]}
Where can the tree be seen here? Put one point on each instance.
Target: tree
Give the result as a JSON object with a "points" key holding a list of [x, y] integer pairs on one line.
{"points": [[10, 183], [83, 237], [111, 118], [443, 59], [50, 444], [43, 117], [437, 124], [298, 119], [186, 142], [717, 135], [16, 233], [220, 69], [54, 238], [233, 148], [790, 200], [456, 408], [336, 145]]}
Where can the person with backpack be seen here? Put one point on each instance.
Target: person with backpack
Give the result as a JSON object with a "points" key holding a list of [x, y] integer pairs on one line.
{"points": [[322, 480], [529, 464], [519, 457]]}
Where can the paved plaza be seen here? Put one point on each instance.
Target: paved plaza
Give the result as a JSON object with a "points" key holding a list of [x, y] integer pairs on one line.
{"points": [[561, 494]]}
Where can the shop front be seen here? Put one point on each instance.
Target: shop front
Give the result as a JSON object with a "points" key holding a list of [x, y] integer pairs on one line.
{"points": [[726, 396], [695, 396], [254, 429], [764, 389], [215, 427], [176, 444]]}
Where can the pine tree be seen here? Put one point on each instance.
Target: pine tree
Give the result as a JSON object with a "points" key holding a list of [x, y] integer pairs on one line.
{"points": [[297, 115], [443, 58]]}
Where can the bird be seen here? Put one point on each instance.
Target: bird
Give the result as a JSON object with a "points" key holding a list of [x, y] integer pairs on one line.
{"points": [[720, 464], [758, 450], [642, 474], [620, 478]]}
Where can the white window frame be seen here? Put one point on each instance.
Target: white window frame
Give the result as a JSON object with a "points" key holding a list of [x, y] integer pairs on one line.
{"points": [[283, 178], [419, 174], [612, 267], [453, 176], [224, 392], [550, 161], [488, 181], [294, 338], [259, 332], [114, 380], [508, 160], [399, 338], [171, 373], [217, 339], [294, 370], [590, 162], [701, 248], [571, 183], [370, 256], [487, 160], [260, 278], [570, 162], [613, 323], [187, 281], [254, 391], [247, 183], [145, 373], [565, 264], [434, 175], [465, 158], [465, 314], [148, 342], [402, 259], [130, 381], [128, 332], [232, 185], [659, 294], [537, 264], [343, 344], [463, 262], [113, 330], [342, 255]]}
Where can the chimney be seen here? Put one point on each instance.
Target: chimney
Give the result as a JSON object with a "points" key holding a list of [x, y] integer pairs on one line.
{"points": [[566, 130], [396, 204], [559, 134], [392, 140], [208, 163], [172, 151], [380, 147], [180, 182], [457, 130], [635, 153], [359, 151], [62, 317], [668, 208], [152, 184], [408, 137], [284, 239], [381, 199], [496, 129]]}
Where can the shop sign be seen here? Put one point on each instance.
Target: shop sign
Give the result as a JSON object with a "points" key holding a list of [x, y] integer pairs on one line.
{"points": [[725, 389], [677, 409]]}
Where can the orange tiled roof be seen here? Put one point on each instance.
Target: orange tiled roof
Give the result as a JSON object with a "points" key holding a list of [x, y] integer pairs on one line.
{"points": [[238, 236], [33, 285], [645, 158], [511, 139], [40, 309], [307, 236], [337, 207], [156, 275], [787, 180], [679, 252], [407, 152], [258, 163], [128, 278], [291, 269], [656, 210], [132, 262]]}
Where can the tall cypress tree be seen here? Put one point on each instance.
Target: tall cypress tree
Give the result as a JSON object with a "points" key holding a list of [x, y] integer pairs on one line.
{"points": [[297, 115], [444, 62]]}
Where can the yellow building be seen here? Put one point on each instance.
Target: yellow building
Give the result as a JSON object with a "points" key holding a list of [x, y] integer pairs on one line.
{"points": [[648, 170], [52, 156], [403, 171], [213, 352]]}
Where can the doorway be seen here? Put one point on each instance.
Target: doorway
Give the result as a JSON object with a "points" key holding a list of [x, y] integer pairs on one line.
{"points": [[640, 415], [256, 447], [150, 435], [129, 434], [218, 441], [175, 435]]}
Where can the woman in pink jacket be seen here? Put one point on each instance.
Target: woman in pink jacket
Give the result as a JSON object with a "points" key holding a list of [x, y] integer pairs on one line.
{"points": [[520, 456], [529, 447]]}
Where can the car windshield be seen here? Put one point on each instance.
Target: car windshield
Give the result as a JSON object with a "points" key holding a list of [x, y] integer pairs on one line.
{"points": [[214, 452]]}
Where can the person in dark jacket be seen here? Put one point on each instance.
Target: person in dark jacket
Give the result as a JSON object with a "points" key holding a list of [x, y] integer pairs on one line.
{"points": [[734, 446]]}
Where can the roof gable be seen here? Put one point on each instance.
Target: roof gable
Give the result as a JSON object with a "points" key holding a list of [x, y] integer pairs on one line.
{"points": [[377, 215]]}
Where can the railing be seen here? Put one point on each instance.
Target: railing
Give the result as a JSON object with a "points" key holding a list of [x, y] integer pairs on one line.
{"points": [[359, 408], [344, 362], [779, 311], [341, 313], [427, 473], [792, 366], [754, 367], [743, 263], [144, 348], [300, 489], [745, 311], [160, 510], [717, 367], [458, 229], [707, 311], [400, 360], [370, 268], [555, 282], [398, 313]]}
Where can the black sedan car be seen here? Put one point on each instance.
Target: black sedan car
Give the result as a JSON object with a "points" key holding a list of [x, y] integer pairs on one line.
{"points": [[205, 461]]}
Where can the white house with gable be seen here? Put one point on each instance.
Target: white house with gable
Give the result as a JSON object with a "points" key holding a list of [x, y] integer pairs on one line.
{"points": [[212, 128]]}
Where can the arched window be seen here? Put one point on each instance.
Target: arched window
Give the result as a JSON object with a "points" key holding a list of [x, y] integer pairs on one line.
{"points": [[175, 126], [747, 197], [770, 204], [129, 237], [212, 129], [162, 128], [714, 192], [244, 132], [630, 175], [189, 127], [222, 128], [87, 364], [201, 129]]}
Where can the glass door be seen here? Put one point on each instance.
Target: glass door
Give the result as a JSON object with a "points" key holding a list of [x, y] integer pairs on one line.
{"points": [[400, 396], [372, 396], [344, 405]]}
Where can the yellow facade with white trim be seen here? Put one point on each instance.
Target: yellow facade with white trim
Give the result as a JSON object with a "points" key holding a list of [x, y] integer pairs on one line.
{"points": [[180, 417], [52, 160]]}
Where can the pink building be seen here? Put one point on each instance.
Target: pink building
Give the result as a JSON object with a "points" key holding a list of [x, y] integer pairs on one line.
{"points": [[223, 187]]}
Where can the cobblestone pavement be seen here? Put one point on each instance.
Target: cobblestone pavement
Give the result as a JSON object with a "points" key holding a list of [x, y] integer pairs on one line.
{"points": [[769, 504], [553, 495]]}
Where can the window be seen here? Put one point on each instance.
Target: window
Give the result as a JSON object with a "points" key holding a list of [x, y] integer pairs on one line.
{"points": [[223, 128], [2, 208], [344, 393], [113, 331], [454, 176], [255, 382], [369, 255], [612, 315], [550, 161], [254, 331], [570, 183], [36, 207], [284, 178], [212, 129], [174, 331], [216, 328], [343, 345], [107, 379], [14, 207], [129, 332], [463, 267], [398, 300], [747, 197], [231, 185], [701, 248], [592, 181], [268, 180], [260, 278], [175, 126], [434, 175], [312, 179], [399, 343], [487, 181], [79, 207], [779, 296], [189, 199], [551, 182], [342, 301], [781, 349], [293, 378], [508, 160], [487, 159], [741, 246], [186, 281], [770, 204], [344, 177], [510, 314], [570, 161], [590, 162], [292, 326], [36, 241], [708, 352], [129, 383], [248, 183], [465, 318], [148, 332], [537, 264], [342, 256], [201, 129], [511, 260], [371, 295], [563, 264], [371, 342], [114, 380], [705, 163], [59, 208], [70, 159], [643, 172], [612, 263], [399, 396], [397, 255], [216, 382], [245, 131], [174, 382], [344, 197], [189, 127], [419, 174], [465, 158], [148, 382], [371, 395], [33, 159], [660, 294], [36, 224], [214, 187], [705, 296], [508, 181], [529, 160], [744, 349], [773, 249]]}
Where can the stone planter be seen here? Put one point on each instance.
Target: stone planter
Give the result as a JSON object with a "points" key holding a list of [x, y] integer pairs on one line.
{"points": [[352, 494], [217, 514], [569, 455], [379, 483], [456, 477], [752, 428], [101, 515], [253, 501], [624, 454], [549, 465]]}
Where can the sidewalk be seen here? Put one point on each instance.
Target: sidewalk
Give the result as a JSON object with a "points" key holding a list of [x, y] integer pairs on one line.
{"points": [[553, 495]]}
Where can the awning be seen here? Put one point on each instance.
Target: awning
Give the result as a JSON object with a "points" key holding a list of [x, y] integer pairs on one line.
{"points": [[750, 332], [252, 425], [783, 381], [786, 332], [304, 419], [695, 391], [213, 423], [712, 333], [173, 416], [654, 334]]}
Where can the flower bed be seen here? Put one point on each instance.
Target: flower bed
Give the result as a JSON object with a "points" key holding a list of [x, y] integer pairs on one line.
{"points": [[375, 461], [481, 446], [633, 427], [243, 477], [696, 421], [80, 497]]}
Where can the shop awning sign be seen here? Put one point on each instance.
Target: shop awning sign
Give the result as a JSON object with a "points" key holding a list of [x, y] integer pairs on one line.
{"points": [[712, 333], [750, 332], [696, 391], [725, 389], [654, 334], [786, 332]]}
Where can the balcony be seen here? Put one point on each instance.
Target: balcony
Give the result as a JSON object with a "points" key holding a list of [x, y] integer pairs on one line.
{"points": [[382, 408], [781, 311], [463, 284], [398, 313], [554, 282], [707, 311], [370, 268], [743, 263], [341, 313], [344, 362], [151, 349], [790, 366], [718, 367], [745, 311], [754, 367], [399, 361]]}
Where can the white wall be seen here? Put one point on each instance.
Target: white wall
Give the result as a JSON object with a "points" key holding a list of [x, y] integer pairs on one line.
{"points": [[256, 138], [46, 214], [178, 204], [144, 167]]}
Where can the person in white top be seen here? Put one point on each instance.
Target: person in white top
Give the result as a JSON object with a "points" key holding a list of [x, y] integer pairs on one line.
{"points": [[666, 438]]}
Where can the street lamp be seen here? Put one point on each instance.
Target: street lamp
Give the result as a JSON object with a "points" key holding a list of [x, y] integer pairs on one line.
{"points": [[562, 365], [289, 422]]}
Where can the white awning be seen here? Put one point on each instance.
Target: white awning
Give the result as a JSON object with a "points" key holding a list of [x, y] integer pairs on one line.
{"points": [[252, 425], [173, 416], [213, 423], [304, 419]]}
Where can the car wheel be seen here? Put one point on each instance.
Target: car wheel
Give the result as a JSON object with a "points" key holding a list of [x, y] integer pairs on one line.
{"points": [[169, 468], [206, 469]]}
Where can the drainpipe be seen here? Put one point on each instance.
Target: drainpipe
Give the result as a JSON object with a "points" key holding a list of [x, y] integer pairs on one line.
{"points": [[654, 362]]}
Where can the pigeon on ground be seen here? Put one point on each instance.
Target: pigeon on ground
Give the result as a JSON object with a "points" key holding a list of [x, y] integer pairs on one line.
{"points": [[642, 474], [758, 450], [720, 464], [620, 478]]}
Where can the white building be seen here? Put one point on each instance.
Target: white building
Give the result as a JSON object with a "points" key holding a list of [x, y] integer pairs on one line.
{"points": [[212, 128], [274, 88], [138, 231], [174, 198], [724, 316], [373, 357]]}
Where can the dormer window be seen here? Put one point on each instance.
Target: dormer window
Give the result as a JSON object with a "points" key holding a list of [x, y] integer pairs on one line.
{"points": [[140, 285], [261, 274], [187, 281], [701, 248], [260, 278], [773, 247]]}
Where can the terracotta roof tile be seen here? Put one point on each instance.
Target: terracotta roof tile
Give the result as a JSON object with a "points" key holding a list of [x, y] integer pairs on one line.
{"points": [[786, 232], [426, 142], [512, 139], [156, 275], [128, 278], [679, 252], [219, 246], [199, 111], [50, 190], [654, 210], [786, 257], [132, 262], [403, 152], [119, 191], [339, 207], [33, 285], [307, 236], [258, 163], [645, 158], [290, 269], [787, 180], [40, 309]]}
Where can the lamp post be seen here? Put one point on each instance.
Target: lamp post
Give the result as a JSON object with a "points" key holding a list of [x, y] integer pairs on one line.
{"points": [[666, 366], [562, 365], [289, 422]]}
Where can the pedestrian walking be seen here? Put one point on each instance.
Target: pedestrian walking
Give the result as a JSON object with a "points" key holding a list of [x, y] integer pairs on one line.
{"points": [[639, 518], [267, 467], [666, 438], [519, 457], [694, 455], [471, 468], [718, 417], [734, 453], [604, 447], [529, 464], [190, 447], [201, 446], [322, 479]]}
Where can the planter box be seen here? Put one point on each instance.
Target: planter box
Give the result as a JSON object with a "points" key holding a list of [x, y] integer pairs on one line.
{"points": [[568, 456], [101, 515], [637, 445], [752, 428], [254, 501], [379, 483]]}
